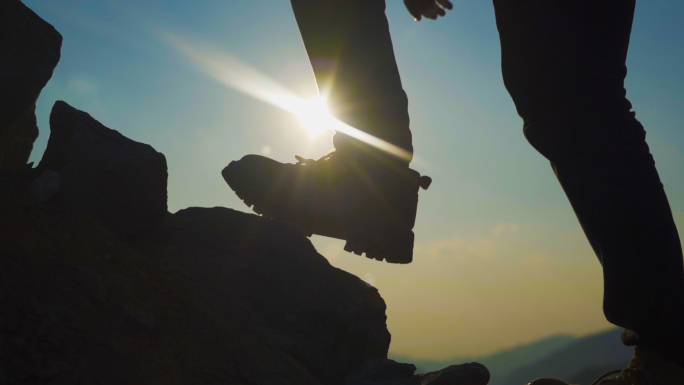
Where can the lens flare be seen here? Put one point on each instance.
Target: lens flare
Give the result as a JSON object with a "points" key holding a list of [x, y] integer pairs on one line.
{"points": [[314, 116], [233, 73]]}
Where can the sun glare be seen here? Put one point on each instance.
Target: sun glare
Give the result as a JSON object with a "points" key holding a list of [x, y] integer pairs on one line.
{"points": [[314, 116], [237, 75]]}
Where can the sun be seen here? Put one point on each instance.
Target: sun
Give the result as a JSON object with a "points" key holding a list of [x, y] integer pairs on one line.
{"points": [[314, 115]]}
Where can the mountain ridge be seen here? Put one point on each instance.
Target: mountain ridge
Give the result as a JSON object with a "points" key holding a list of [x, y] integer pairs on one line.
{"points": [[560, 356]]}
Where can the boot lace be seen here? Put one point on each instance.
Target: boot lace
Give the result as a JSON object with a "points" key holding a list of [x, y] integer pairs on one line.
{"points": [[629, 376], [330, 169], [307, 161]]}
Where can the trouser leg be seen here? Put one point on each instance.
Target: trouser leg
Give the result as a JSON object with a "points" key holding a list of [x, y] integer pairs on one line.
{"points": [[350, 49], [563, 63]]}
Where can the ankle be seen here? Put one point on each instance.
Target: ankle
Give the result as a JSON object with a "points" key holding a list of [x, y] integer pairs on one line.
{"points": [[397, 157]]}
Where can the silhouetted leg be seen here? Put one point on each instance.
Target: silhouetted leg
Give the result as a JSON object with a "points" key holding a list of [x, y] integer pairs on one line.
{"points": [[350, 50], [563, 63]]}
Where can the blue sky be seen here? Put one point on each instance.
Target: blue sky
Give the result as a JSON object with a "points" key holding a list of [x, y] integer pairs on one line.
{"points": [[496, 239]]}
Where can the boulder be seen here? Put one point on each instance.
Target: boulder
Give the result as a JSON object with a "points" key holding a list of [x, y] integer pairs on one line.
{"points": [[375, 371], [268, 280], [210, 296], [380, 371], [116, 180], [78, 305], [29, 52], [472, 373], [44, 187]]}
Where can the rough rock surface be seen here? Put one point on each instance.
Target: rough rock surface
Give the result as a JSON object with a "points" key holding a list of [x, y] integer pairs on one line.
{"points": [[79, 306], [115, 179], [380, 371], [29, 52], [375, 371], [211, 296], [471, 373], [45, 186], [269, 280]]}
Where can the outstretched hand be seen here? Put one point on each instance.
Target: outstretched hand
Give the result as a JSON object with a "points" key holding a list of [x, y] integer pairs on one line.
{"points": [[430, 9]]}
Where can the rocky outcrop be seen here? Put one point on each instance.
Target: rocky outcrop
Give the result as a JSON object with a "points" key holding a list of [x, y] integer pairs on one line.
{"points": [[208, 295], [29, 52], [269, 281], [102, 173], [388, 372], [79, 306], [211, 295]]}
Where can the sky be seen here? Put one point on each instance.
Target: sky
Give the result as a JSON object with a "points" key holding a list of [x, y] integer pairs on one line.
{"points": [[500, 259]]}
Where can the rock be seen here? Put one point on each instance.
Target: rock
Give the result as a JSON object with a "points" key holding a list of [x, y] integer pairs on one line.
{"points": [[90, 281], [29, 52], [388, 372], [208, 295], [16, 142], [44, 187], [381, 370], [43, 337], [268, 280], [118, 181], [471, 373], [239, 300]]}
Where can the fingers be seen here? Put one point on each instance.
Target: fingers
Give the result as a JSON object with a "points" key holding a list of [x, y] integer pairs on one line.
{"points": [[446, 4], [413, 7], [430, 9]]}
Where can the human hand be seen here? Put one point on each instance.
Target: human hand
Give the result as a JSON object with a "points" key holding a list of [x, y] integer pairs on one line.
{"points": [[430, 9]]}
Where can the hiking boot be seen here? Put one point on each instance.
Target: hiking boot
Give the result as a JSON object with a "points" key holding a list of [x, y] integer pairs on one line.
{"points": [[646, 368], [366, 200]]}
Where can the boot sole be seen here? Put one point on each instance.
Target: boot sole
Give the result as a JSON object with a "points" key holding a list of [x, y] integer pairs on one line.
{"points": [[381, 239], [374, 236]]}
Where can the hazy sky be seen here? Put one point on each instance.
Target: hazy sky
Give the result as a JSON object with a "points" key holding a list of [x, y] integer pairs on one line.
{"points": [[500, 258]]}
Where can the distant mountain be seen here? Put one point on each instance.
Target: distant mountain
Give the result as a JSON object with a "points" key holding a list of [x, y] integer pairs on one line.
{"points": [[500, 363], [578, 360]]}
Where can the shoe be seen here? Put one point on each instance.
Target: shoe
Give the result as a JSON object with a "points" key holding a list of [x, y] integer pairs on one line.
{"points": [[366, 200], [646, 368]]}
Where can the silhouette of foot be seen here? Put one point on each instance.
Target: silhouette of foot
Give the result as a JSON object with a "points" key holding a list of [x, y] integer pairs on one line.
{"points": [[367, 200], [646, 368]]}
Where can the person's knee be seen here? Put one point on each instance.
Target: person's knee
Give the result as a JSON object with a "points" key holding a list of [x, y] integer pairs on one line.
{"points": [[563, 138]]}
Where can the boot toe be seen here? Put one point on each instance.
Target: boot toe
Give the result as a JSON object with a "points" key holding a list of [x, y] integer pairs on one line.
{"points": [[253, 174]]}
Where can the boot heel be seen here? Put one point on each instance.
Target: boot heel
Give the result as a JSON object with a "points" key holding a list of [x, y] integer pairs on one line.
{"points": [[381, 239]]}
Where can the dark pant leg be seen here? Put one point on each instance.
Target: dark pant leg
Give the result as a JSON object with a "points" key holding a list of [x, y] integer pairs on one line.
{"points": [[563, 63], [350, 49]]}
